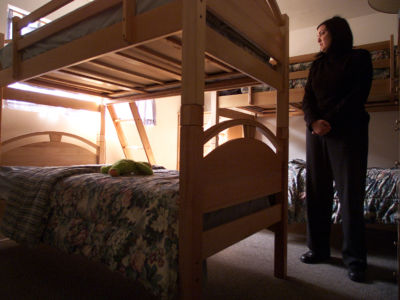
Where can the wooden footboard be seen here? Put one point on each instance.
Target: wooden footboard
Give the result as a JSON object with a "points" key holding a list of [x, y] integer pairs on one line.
{"points": [[238, 171]]}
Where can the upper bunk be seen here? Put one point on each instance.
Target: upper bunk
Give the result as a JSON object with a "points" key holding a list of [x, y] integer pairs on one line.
{"points": [[130, 50], [260, 100]]}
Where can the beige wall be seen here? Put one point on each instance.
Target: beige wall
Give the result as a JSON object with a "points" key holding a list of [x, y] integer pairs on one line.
{"points": [[366, 29]]}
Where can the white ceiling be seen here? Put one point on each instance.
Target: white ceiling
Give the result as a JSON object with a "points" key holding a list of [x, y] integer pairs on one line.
{"points": [[309, 13]]}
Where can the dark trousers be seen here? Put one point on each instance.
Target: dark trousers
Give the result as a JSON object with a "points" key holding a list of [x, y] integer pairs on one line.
{"points": [[342, 158]]}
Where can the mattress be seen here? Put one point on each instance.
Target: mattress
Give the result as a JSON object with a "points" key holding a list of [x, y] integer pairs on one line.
{"points": [[128, 223], [102, 20], [378, 73], [110, 17], [382, 195]]}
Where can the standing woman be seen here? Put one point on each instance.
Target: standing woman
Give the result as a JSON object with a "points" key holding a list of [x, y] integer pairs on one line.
{"points": [[337, 144]]}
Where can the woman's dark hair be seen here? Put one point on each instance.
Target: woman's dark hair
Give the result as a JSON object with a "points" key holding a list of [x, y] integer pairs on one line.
{"points": [[342, 37]]}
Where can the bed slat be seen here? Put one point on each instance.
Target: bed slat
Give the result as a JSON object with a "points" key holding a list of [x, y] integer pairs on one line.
{"points": [[240, 100]]}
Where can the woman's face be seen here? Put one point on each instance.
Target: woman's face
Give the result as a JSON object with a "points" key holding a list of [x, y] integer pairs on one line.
{"points": [[324, 38]]}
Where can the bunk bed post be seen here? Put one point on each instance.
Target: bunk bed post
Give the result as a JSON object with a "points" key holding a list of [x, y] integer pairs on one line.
{"points": [[129, 12], [2, 201], [101, 139], [2, 42], [214, 116], [392, 84], [191, 149], [282, 132], [1, 111], [397, 95], [16, 54]]}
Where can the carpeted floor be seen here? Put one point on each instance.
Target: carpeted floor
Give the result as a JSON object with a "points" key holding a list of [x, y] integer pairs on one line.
{"points": [[243, 271]]}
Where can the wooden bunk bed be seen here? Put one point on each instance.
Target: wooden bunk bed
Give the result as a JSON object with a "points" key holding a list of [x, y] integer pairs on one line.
{"points": [[261, 98], [177, 48]]}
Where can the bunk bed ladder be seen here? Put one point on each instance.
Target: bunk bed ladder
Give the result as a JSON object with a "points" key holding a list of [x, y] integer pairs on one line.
{"points": [[140, 127], [142, 133]]}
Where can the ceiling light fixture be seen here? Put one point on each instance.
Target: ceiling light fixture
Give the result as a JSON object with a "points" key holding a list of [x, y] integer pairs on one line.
{"points": [[385, 6]]}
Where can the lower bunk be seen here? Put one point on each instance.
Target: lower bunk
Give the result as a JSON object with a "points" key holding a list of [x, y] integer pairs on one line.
{"points": [[130, 223], [381, 203]]}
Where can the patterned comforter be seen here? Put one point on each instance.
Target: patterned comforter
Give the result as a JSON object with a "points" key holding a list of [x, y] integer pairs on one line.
{"points": [[382, 195], [128, 223], [26, 190]]}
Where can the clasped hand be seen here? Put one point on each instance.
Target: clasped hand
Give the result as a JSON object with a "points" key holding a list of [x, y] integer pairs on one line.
{"points": [[320, 127]]}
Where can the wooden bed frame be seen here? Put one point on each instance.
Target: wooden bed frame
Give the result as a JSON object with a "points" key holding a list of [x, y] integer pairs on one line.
{"points": [[383, 95], [170, 51]]}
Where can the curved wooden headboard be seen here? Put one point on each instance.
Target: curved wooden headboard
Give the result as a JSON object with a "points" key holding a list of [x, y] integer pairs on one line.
{"points": [[53, 152]]}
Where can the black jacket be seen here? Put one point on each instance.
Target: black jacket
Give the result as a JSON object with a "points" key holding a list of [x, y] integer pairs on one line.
{"points": [[337, 89]]}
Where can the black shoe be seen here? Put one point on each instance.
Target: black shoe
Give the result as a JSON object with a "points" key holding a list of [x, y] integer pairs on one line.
{"points": [[310, 257], [356, 273]]}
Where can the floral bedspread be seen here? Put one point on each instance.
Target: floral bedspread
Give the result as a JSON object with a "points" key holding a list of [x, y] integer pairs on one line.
{"points": [[296, 191], [382, 195], [128, 223]]}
